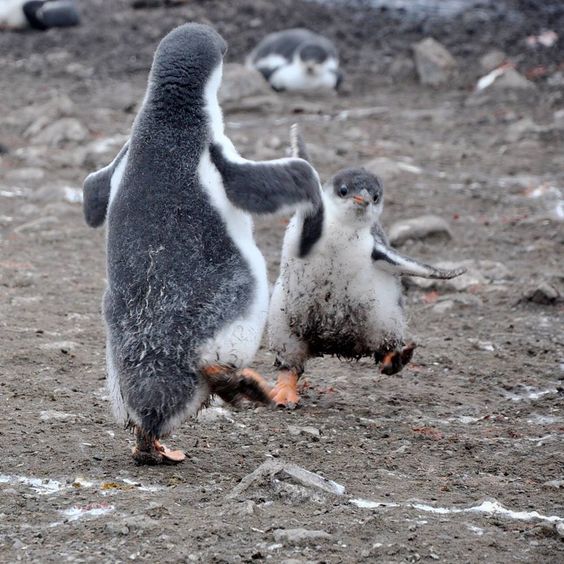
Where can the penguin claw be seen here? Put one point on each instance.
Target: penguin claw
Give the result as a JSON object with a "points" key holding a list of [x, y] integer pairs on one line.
{"points": [[285, 393], [396, 360]]}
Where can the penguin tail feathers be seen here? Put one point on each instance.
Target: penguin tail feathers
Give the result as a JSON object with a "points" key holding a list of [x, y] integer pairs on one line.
{"points": [[234, 386], [297, 143], [156, 405]]}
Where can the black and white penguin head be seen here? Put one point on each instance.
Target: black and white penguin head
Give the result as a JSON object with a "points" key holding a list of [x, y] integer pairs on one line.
{"points": [[188, 62], [313, 57], [355, 195]]}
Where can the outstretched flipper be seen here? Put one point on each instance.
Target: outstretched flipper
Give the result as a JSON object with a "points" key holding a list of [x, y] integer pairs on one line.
{"points": [[390, 260], [97, 188], [268, 186], [312, 227]]}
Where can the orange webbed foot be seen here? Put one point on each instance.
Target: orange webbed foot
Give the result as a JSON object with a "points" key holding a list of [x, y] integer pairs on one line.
{"points": [[152, 452], [396, 360], [285, 393]]}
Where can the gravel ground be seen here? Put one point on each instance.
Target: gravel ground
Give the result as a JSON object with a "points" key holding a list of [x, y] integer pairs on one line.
{"points": [[458, 458]]}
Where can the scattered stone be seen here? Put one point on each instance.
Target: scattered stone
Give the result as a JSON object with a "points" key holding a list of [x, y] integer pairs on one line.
{"points": [[402, 68], [24, 174], [61, 131], [41, 115], [388, 169], [544, 294], [300, 536], [424, 227], [492, 59], [309, 431], [443, 307], [554, 484], [117, 529], [520, 129], [505, 78], [63, 346], [52, 414], [274, 470], [485, 346], [560, 529], [37, 224], [244, 89], [434, 64]]}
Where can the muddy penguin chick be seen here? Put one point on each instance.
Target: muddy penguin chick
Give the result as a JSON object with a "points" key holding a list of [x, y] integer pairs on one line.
{"points": [[187, 294], [339, 289], [297, 59]]}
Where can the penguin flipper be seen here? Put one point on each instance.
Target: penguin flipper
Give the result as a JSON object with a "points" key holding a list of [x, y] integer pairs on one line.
{"points": [[96, 190], [390, 260], [268, 186]]}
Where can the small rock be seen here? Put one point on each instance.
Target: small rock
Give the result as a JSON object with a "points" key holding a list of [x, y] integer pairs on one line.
{"points": [[443, 307], [492, 59], [36, 225], [296, 431], [388, 169], [560, 529], [424, 227], [63, 346], [510, 79], [521, 129], [554, 484], [544, 294], [300, 536], [61, 131], [244, 89], [117, 529], [486, 346], [402, 68], [23, 174], [52, 414], [41, 115], [434, 64]]}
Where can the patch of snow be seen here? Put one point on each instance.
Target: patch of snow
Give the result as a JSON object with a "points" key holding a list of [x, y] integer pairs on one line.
{"points": [[39, 485], [488, 507]]}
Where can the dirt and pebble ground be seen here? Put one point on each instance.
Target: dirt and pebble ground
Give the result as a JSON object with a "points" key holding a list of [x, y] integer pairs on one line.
{"points": [[473, 426]]}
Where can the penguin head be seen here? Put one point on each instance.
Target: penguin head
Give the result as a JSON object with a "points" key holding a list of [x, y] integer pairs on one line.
{"points": [[355, 196], [312, 57], [187, 58]]}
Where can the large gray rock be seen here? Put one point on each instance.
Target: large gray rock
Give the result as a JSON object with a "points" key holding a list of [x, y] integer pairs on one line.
{"points": [[272, 472], [423, 227], [434, 64], [244, 89]]}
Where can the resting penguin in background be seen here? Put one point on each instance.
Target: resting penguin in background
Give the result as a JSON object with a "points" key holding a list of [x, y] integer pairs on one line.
{"points": [[339, 289], [37, 14], [187, 295], [297, 59]]}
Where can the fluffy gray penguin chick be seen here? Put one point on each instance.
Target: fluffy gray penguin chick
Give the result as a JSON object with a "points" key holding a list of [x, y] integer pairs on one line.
{"points": [[339, 289], [187, 295], [297, 59]]}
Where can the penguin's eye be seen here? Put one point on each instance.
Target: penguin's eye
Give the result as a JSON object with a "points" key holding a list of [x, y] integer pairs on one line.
{"points": [[343, 190], [376, 198]]}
